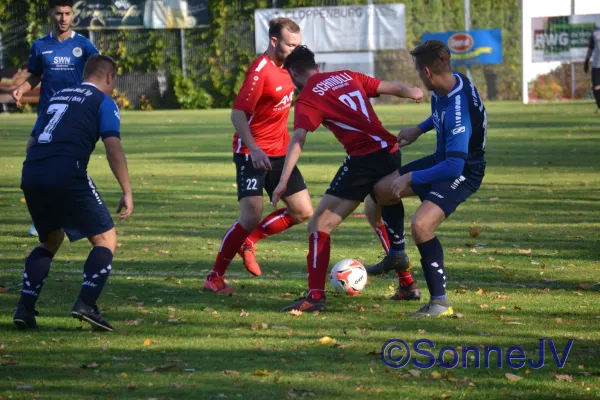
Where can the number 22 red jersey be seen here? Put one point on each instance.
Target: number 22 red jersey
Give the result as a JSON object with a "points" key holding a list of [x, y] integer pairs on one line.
{"points": [[265, 96], [340, 101]]}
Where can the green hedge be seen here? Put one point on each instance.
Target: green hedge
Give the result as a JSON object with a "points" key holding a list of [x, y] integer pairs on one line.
{"points": [[218, 56]]}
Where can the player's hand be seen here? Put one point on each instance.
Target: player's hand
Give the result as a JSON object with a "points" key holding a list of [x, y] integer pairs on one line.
{"points": [[126, 203], [260, 160], [277, 193], [417, 94], [408, 136], [16, 94], [400, 184], [586, 66]]}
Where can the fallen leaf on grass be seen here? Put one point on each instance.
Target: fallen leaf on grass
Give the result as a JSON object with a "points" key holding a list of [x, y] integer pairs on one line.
{"points": [[170, 277], [436, 375], [567, 378], [147, 342], [121, 358], [474, 232], [526, 252], [93, 365], [314, 374], [280, 328], [132, 386], [295, 313], [514, 323], [578, 293], [131, 298], [160, 368], [231, 372], [134, 322], [66, 366], [294, 393], [244, 313], [512, 377], [414, 372], [209, 309], [261, 372], [326, 340], [481, 291], [457, 315], [124, 374], [483, 306]]}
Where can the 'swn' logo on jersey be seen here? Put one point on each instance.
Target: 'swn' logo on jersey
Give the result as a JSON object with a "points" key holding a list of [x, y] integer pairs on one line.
{"points": [[62, 60]]}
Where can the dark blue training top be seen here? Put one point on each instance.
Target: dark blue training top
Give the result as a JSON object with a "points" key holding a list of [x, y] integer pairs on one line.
{"points": [[460, 121], [66, 132], [60, 63]]}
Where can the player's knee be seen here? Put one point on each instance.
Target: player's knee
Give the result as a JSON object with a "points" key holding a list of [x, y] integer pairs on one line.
{"points": [[107, 239], [54, 241], [302, 215], [249, 221], [421, 228]]}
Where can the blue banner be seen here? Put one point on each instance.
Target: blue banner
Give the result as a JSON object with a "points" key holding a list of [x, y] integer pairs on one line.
{"points": [[478, 46]]}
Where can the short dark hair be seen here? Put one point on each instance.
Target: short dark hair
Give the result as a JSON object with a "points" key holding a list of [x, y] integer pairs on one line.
{"points": [[277, 25], [59, 3], [301, 59], [98, 65], [432, 54]]}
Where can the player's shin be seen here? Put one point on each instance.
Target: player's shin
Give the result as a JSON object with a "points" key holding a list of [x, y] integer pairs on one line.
{"points": [[276, 222], [393, 216], [95, 274], [232, 240], [317, 262], [37, 267], [432, 261]]}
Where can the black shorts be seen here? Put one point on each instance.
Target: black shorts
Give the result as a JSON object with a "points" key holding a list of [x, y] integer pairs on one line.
{"points": [[447, 194], [79, 211], [358, 175], [252, 181], [595, 76]]}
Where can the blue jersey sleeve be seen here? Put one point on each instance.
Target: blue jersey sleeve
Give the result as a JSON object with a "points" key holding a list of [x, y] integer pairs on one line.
{"points": [[426, 125], [90, 49], [35, 63], [109, 124], [457, 128]]}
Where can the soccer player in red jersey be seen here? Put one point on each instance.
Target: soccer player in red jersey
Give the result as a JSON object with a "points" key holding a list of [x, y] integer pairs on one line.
{"points": [[260, 115], [340, 101]]}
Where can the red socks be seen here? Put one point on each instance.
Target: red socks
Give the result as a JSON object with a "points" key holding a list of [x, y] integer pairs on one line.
{"points": [[232, 241], [276, 222], [317, 262], [404, 277]]}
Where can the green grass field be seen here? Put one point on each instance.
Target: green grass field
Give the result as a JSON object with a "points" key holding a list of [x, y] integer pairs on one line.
{"points": [[531, 273]]}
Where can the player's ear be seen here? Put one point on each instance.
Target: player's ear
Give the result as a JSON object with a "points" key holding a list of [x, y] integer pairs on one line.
{"points": [[273, 41]]}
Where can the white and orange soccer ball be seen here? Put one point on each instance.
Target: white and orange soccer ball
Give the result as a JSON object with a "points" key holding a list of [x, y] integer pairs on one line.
{"points": [[348, 276]]}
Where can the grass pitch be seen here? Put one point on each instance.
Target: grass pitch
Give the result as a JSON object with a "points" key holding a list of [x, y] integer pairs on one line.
{"points": [[531, 272]]}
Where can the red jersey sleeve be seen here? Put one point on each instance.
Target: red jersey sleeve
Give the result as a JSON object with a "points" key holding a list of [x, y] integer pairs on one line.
{"points": [[307, 117], [250, 92], [370, 84]]}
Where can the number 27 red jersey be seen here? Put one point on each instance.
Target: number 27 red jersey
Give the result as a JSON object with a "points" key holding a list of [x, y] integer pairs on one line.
{"points": [[340, 101]]}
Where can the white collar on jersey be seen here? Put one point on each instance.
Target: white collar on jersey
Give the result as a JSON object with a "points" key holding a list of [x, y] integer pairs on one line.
{"points": [[72, 34], [89, 83]]}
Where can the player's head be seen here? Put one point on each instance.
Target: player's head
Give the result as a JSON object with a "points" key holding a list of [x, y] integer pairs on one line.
{"points": [[101, 70], [284, 37], [61, 13], [432, 61], [301, 65]]}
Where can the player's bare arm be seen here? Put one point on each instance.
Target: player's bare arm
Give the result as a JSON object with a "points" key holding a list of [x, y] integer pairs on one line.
{"points": [[408, 136], [240, 123], [31, 82], [118, 165], [399, 89], [292, 157]]}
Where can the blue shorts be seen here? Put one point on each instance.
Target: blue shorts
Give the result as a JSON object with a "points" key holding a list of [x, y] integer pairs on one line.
{"points": [[79, 210], [447, 194]]}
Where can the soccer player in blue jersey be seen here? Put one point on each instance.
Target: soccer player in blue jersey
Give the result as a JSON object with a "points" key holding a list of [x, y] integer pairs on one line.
{"points": [[57, 59], [61, 196], [446, 178]]}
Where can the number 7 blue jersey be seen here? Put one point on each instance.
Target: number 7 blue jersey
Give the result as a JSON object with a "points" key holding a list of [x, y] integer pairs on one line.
{"points": [[67, 129]]}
